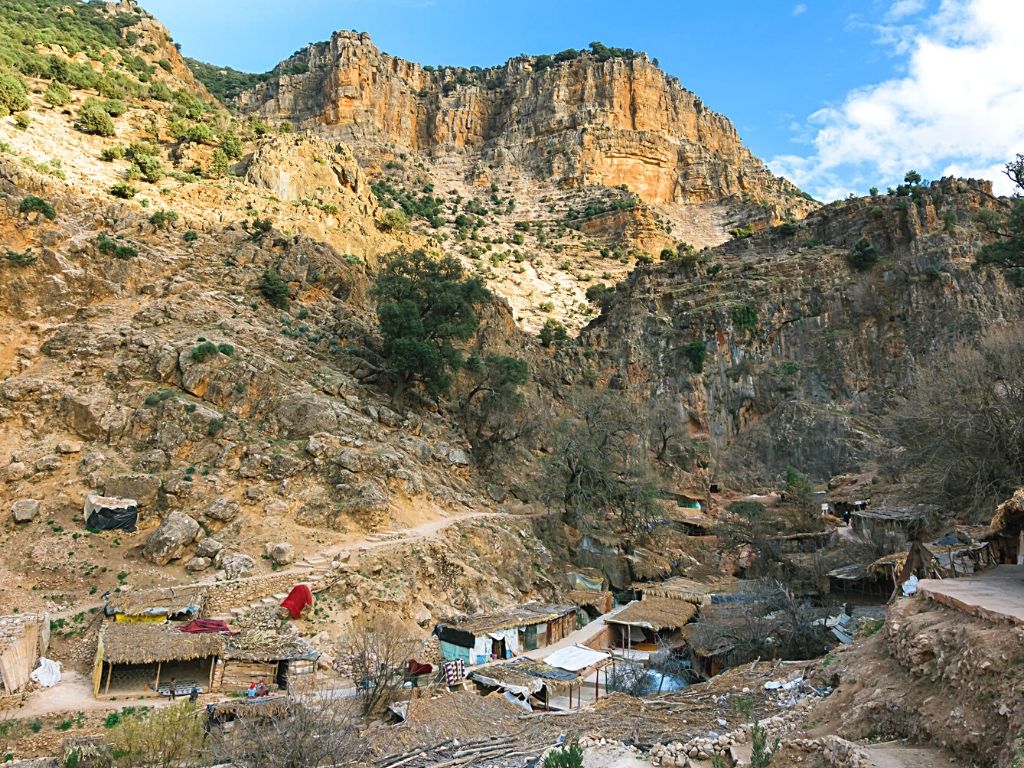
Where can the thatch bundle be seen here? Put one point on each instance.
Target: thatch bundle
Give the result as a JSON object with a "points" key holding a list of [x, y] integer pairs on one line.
{"points": [[656, 613], [144, 643]]}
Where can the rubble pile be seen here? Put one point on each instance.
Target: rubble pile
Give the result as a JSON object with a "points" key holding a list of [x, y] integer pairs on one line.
{"points": [[839, 753]]}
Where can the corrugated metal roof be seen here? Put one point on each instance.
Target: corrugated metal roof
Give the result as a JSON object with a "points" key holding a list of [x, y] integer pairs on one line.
{"points": [[575, 658]]}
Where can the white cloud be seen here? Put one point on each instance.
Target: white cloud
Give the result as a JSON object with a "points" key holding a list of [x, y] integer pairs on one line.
{"points": [[799, 9], [903, 8], [959, 108]]}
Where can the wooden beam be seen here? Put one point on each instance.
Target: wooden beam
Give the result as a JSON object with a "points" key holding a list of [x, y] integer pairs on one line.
{"points": [[156, 685], [110, 672]]}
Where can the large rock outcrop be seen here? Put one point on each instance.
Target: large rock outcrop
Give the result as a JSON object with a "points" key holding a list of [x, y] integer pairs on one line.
{"points": [[581, 121]]}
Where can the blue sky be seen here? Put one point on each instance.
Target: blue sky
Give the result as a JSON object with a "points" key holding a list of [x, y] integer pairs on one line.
{"points": [[836, 94]]}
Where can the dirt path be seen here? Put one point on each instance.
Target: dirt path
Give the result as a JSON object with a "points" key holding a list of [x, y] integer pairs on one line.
{"points": [[74, 694], [365, 543], [897, 755]]}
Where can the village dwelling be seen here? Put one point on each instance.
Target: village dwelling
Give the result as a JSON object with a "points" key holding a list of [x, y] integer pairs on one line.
{"points": [[155, 605], [1006, 532], [567, 679], [144, 657], [649, 625], [285, 661], [23, 640], [889, 522], [502, 635], [587, 591]]}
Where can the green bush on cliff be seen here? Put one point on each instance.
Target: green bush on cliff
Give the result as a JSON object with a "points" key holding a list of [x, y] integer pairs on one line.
{"points": [[863, 255]]}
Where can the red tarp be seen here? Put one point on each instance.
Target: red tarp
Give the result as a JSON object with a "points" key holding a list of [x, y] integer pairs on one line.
{"points": [[417, 668], [206, 625], [297, 599]]}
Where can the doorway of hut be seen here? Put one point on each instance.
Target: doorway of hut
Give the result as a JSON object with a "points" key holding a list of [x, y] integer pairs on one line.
{"points": [[498, 648], [146, 679]]}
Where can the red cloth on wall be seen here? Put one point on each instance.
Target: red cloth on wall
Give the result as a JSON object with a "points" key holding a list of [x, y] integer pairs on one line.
{"points": [[297, 600]]}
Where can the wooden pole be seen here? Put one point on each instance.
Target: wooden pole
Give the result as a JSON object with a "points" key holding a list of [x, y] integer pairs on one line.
{"points": [[156, 686], [213, 666], [110, 671]]}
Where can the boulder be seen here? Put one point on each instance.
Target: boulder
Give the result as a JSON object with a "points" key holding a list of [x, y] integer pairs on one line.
{"points": [[222, 510], [25, 510], [197, 564], [281, 553], [141, 487], [69, 446], [171, 539], [209, 548], [237, 565]]}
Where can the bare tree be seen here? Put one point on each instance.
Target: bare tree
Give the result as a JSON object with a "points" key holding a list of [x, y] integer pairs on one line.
{"points": [[962, 426], [771, 623], [377, 649], [598, 467], [315, 729]]}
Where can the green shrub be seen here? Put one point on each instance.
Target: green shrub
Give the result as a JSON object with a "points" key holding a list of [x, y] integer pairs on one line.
{"points": [[93, 119], [232, 146], [259, 227], [22, 121], [204, 351], [120, 250], [21, 259], [191, 236], [33, 204], [159, 91], [274, 289], [564, 757], [752, 510], [163, 219], [393, 221], [13, 94], [553, 332], [150, 168], [110, 154], [696, 352], [863, 255], [744, 316], [56, 94], [787, 229], [740, 233], [226, 349], [219, 165], [123, 191]]}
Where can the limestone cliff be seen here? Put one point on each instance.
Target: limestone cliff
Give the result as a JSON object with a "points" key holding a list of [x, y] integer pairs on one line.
{"points": [[579, 121]]}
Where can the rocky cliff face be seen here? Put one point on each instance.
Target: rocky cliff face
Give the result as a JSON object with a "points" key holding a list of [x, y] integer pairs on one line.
{"points": [[581, 121], [803, 352]]}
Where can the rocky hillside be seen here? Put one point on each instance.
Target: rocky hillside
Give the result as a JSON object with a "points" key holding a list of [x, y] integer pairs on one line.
{"points": [[545, 174], [603, 117], [777, 351]]}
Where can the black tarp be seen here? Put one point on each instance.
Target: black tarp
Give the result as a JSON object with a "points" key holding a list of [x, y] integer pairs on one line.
{"points": [[454, 636], [105, 519]]}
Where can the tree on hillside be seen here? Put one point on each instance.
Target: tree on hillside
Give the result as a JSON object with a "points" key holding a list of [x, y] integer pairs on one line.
{"points": [[492, 408], [171, 736], [961, 426], [318, 729], [377, 650], [598, 467], [424, 306], [1008, 250]]}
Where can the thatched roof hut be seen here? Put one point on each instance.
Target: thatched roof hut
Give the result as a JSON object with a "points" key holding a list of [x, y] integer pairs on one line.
{"points": [[698, 592], [154, 604], [145, 643], [656, 613]]}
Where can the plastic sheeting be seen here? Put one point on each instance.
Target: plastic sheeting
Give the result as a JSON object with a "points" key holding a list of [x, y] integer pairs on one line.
{"points": [[47, 674], [575, 658]]}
